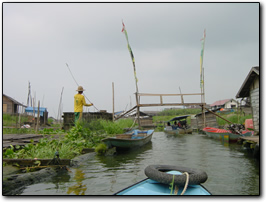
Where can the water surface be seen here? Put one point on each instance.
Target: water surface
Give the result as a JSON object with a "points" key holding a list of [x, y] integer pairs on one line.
{"points": [[231, 170]]}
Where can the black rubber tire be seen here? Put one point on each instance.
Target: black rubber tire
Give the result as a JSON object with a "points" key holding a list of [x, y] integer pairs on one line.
{"points": [[158, 173]]}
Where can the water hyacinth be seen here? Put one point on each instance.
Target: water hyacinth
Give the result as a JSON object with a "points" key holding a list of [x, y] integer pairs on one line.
{"points": [[82, 135]]}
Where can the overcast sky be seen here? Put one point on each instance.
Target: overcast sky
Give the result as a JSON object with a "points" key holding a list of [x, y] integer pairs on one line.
{"points": [[40, 38]]}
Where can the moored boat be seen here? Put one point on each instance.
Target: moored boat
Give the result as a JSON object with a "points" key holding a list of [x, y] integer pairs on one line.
{"points": [[169, 180], [226, 135], [135, 138], [178, 125]]}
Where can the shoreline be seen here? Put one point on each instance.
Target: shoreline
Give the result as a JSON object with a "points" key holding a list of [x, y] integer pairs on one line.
{"points": [[14, 183]]}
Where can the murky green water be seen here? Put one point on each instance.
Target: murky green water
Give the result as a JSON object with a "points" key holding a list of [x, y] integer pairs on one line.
{"points": [[231, 170]]}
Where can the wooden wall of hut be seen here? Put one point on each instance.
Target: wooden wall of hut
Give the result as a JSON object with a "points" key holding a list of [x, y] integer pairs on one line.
{"points": [[147, 123], [193, 123], [9, 106], [245, 110], [255, 104], [69, 118], [210, 118], [44, 118]]}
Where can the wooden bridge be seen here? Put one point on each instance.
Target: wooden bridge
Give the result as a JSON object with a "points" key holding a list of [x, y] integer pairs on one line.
{"points": [[166, 104], [162, 103]]}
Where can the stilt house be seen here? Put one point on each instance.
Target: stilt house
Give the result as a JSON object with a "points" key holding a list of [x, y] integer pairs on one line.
{"points": [[251, 89]]}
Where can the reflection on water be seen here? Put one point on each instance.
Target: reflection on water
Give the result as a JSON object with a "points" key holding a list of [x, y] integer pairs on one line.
{"points": [[79, 188], [230, 169]]}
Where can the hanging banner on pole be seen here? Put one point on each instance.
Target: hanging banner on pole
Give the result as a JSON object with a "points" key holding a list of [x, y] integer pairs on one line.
{"points": [[130, 50], [201, 58]]}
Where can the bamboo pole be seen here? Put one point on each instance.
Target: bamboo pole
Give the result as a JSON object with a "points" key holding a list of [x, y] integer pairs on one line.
{"points": [[33, 112], [60, 107], [182, 99], [137, 102], [19, 120], [161, 99], [152, 94], [170, 104], [126, 113], [38, 117], [203, 99], [218, 115], [113, 102], [16, 119]]}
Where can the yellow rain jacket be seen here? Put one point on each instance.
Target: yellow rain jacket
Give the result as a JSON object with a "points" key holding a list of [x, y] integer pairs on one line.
{"points": [[79, 102]]}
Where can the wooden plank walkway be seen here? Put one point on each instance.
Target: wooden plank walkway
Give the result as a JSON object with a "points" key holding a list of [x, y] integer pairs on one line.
{"points": [[23, 139], [30, 162], [255, 139]]}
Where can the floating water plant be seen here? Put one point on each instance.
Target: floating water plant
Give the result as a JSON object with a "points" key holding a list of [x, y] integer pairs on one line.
{"points": [[101, 149]]}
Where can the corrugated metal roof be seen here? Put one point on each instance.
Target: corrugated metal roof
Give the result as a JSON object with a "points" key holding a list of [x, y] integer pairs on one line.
{"points": [[13, 100], [220, 102], [30, 109], [244, 89]]}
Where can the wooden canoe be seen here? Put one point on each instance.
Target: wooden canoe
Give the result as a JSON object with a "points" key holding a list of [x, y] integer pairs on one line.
{"points": [[135, 138]]}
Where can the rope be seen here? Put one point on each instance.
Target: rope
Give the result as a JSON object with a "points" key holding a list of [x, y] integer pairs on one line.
{"points": [[186, 185], [78, 85], [133, 122]]}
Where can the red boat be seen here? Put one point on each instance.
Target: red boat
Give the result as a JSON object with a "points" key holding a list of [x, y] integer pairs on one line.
{"points": [[227, 135]]}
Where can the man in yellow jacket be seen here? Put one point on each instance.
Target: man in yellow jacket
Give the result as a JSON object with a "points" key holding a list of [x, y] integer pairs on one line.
{"points": [[79, 102]]}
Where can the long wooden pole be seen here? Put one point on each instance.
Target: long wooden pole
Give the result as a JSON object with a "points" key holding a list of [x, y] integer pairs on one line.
{"points": [[59, 108], [34, 112], [38, 117], [126, 113], [113, 102], [203, 99], [218, 115], [182, 99], [171, 104], [137, 103], [152, 94], [134, 68]]}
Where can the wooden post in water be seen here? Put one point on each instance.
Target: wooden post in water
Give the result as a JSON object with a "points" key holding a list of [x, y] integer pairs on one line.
{"points": [[203, 100], [38, 117], [204, 119], [202, 78], [113, 101], [19, 120], [182, 99], [137, 103], [203, 113], [34, 112]]}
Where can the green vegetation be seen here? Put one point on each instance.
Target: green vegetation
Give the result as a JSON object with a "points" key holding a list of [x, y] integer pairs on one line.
{"points": [[45, 131], [233, 117], [18, 131], [83, 135], [44, 149], [101, 149], [89, 135], [11, 124], [10, 120]]}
